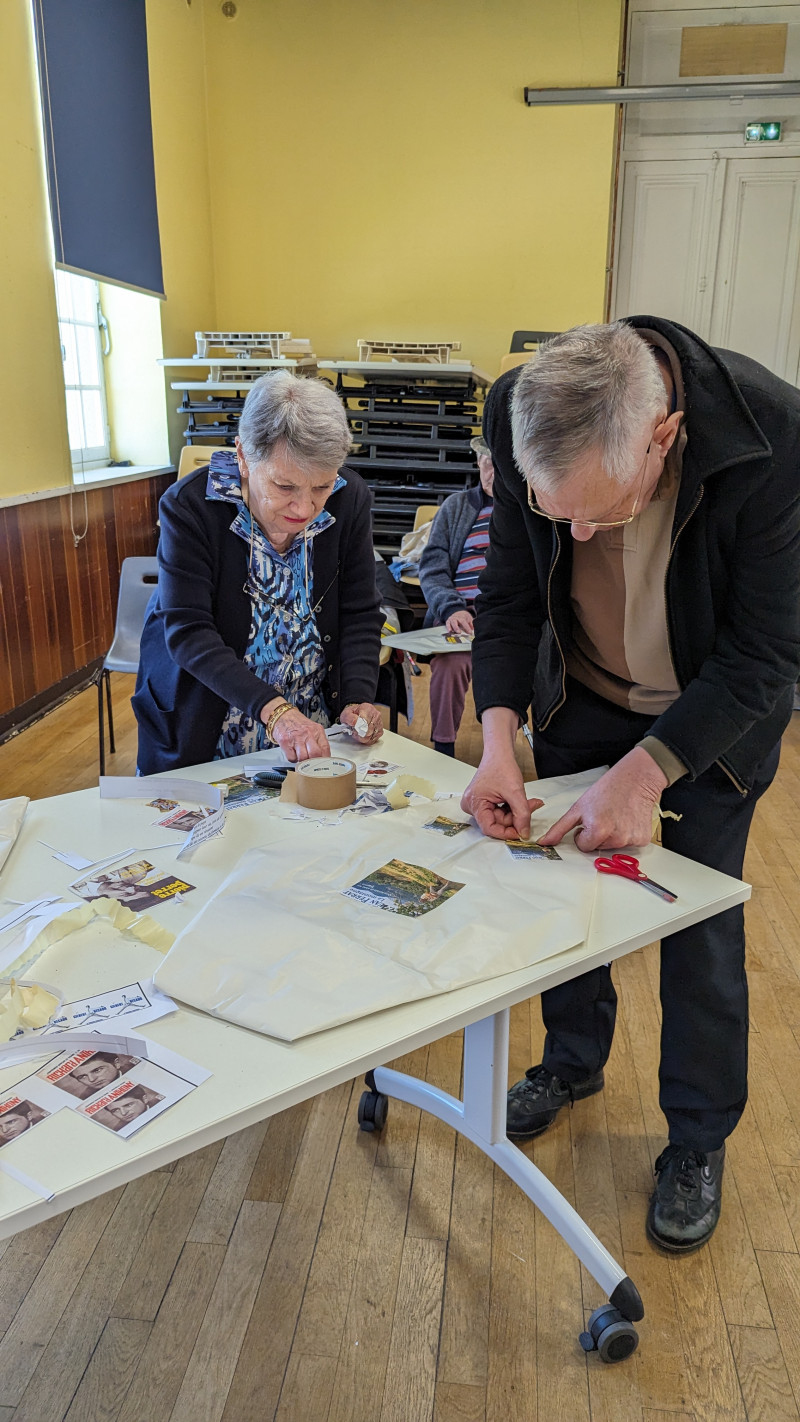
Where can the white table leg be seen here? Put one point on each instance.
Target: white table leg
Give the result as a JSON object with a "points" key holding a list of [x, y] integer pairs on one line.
{"points": [[481, 1116]]}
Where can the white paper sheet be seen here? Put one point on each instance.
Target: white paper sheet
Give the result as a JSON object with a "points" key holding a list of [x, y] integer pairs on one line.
{"points": [[306, 957], [153, 787], [12, 813]]}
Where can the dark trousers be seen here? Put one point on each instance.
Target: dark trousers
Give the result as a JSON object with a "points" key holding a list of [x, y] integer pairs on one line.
{"points": [[703, 1073]]}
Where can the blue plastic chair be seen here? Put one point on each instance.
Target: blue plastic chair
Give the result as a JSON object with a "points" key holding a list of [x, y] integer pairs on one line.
{"points": [[137, 581]]}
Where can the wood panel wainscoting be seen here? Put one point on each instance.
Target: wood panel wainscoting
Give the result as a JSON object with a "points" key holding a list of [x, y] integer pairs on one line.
{"points": [[57, 600]]}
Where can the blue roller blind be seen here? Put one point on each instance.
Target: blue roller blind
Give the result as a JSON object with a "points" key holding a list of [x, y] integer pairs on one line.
{"points": [[98, 136]]}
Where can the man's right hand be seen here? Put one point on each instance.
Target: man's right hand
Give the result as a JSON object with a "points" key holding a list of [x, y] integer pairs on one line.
{"points": [[496, 798]]}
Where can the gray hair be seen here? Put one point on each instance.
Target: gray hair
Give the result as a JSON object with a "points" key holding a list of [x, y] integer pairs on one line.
{"points": [[591, 390], [303, 415]]}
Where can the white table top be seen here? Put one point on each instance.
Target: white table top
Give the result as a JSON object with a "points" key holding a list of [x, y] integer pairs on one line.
{"points": [[255, 1076]]}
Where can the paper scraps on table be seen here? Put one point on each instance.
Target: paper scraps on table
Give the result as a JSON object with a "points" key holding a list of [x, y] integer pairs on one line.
{"points": [[119, 1009], [25, 1006], [371, 801], [526, 849], [406, 889], [119, 1083], [239, 789], [207, 828], [163, 805], [137, 886], [448, 827], [73, 861], [138, 787], [21, 912], [184, 820], [401, 792], [375, 772]]}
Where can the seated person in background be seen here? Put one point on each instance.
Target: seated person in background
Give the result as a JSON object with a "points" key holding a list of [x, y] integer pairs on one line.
{"points": [[265, 625], [448, 573]]}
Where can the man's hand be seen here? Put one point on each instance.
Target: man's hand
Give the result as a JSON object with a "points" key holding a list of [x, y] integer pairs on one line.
{"points": [[298, 738], [371, 715], [496, 798], [461, 622], [618, 809]]}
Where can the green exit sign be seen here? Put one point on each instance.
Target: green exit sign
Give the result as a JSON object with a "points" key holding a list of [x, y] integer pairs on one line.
{"points": [[767, 131]]}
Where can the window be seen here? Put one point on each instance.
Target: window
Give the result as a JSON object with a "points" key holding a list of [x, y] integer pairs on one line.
{"points": [[80, 320]]}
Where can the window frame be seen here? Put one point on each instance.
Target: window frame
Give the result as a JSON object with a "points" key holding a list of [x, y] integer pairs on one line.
{"points": [[83, 456]]}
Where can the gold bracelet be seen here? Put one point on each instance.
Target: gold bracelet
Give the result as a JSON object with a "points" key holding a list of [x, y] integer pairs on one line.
{"points": [[274, 717]]}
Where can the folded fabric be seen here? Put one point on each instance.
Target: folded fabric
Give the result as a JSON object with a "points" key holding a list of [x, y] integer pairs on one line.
{"points": [[282, 948], [12, 813]]}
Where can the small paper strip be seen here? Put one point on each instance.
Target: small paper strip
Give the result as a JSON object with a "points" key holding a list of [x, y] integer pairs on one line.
{"points": [[35, 1186]]}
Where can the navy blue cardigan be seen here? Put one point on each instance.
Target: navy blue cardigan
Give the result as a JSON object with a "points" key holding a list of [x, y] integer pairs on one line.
{"points": [[198, 621]]}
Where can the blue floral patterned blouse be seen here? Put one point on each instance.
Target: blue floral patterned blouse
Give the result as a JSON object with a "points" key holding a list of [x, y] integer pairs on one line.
{"points": [[284, 647]]}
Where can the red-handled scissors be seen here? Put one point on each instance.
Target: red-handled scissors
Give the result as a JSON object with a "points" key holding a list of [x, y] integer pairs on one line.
{"points": [[628, 868]]}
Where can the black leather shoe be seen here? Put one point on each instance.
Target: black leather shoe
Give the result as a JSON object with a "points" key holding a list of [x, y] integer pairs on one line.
{"points": [[685, 1205], [534, 1102]]}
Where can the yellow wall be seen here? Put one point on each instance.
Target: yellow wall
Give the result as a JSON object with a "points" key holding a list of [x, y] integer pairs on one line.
{"points": [[341, 168], [374, 170], [35, 449]]}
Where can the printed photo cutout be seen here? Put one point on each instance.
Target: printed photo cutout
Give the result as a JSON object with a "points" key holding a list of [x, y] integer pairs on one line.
{"points": [[185, 820], [138, 886], [17, 1116], [407, 889], [238, 790], [140, 1097], [124, 1109], [163, 805], [87, 1072], [444, 826], [523, 849]]}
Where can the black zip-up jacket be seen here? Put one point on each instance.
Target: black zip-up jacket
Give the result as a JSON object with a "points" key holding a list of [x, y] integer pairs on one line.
{"points": [[198, 621], [732, 588]]}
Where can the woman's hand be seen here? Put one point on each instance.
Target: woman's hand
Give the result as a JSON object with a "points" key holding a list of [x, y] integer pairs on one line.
{"points": [[496, 798], [298, 738], [371, 715], [461, 622]]}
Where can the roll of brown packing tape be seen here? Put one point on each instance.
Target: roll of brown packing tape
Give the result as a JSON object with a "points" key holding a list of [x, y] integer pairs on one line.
{"points": [[327, 783]]}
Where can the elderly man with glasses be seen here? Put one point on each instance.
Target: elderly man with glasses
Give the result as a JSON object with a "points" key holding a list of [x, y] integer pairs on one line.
{"points": [[642, 592]]}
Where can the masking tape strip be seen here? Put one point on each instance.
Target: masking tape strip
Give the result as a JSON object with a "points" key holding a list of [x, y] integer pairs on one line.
{"points": [[325, 783]]}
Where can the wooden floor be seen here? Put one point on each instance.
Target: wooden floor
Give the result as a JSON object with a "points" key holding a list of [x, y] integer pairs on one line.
{"points": [[305, 1272]]}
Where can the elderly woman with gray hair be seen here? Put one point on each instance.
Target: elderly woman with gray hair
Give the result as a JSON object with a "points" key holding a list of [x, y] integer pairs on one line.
{"points": [[265, 625]]}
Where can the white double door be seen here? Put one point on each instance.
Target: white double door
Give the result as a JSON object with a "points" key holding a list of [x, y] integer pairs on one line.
{"points": [[714, 243]]}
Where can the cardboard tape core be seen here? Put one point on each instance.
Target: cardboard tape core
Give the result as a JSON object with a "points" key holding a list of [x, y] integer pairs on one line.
{"points": [[325, 783]]}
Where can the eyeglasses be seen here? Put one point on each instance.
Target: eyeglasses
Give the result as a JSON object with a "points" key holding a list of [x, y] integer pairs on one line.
{"points": [[595, 523]]}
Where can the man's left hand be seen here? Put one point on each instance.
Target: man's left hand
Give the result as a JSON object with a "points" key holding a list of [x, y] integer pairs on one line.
{"points": [[371, 715], [617, 810]]}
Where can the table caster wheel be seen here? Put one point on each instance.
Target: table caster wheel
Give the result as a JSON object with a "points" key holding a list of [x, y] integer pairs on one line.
{"points": [[373, 1108], [611, 1335]]}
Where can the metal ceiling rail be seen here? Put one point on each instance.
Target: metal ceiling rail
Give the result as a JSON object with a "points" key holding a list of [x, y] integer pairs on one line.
{"points": [[660, 93]]}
